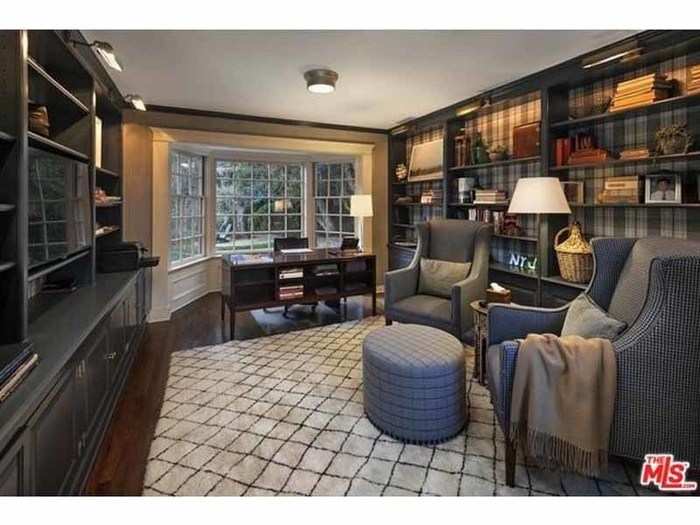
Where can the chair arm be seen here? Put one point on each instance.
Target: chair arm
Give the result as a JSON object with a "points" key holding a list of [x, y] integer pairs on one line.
{"points": [[399, 284], [510, 321], [464, 292], [501, 387]]}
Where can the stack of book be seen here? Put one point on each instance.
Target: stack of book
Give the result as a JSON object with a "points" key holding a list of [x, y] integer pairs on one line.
{"points": [[291, 273], [585, 151], [294, 291], [14, 369], [490, 197], [641, 91], [621, 190], [326, 270], [431, 197], [694, 79]]}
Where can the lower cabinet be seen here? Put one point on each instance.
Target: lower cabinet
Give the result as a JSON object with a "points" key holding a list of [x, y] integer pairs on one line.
{"points": [[54, 438], [14, 469], [55, 452]]}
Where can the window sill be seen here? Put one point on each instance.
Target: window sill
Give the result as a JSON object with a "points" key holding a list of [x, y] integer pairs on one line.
{"points": [[193, 262]]}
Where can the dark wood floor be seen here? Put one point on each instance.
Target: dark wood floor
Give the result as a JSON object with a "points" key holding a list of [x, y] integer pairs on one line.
{"points": [[121, 462]]}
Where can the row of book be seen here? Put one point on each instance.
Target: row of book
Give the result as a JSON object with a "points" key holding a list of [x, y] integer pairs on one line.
{"points": [[13, 372], [490, 196], [641, 91], [293, 291], [694, 79]]}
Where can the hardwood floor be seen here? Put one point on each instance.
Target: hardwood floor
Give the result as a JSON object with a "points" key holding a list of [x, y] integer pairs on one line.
{"points": [[121, 462]]}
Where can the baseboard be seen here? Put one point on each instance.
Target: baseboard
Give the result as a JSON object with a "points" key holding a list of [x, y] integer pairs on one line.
{"points": [[380, 289]]}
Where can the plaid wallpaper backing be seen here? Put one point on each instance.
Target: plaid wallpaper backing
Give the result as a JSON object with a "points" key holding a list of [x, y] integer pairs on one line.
{"points": [[634, 131]]}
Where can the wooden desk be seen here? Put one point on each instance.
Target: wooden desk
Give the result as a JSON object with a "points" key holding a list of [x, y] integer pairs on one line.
{"points": [[253, 282]]}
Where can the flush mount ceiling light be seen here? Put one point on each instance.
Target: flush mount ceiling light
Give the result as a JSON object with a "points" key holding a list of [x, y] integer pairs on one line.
{"points": [[321, 80], [136, 101], [105, 50]]}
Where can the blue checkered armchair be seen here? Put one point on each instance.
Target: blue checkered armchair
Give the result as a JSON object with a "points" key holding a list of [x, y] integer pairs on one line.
{"points": [[653, 285]]}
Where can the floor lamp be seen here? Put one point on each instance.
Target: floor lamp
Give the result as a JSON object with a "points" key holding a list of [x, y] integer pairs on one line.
{"points": [[361, 207], [539, 196]]}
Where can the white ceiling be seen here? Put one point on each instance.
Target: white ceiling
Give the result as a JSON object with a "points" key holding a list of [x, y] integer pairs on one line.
{"points": [[385, 76]]}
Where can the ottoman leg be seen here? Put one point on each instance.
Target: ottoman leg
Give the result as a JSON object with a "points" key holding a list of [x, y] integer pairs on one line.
{"points": [[511, 454], [388, 321]]}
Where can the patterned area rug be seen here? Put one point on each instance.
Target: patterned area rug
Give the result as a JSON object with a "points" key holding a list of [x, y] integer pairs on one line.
{"points": [[282, 415]]}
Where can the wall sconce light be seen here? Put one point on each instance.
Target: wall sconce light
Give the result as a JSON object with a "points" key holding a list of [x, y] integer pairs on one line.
{"points": [[619, 56], [105, 50], [136, 101]]}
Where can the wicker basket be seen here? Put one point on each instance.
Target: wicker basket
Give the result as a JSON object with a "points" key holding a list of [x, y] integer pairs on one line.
{"points": [[575, 255]]}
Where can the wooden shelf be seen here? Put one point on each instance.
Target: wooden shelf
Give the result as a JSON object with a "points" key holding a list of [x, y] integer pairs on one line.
{"points": [[426, 181], [509, 162], [6, 137], [416, 204], [660, 105], [477, 205], [513, 270], [109, 204], [104, 171], [555, 279], [109, 232], [4, 266], [256, 283], [52, 146], [399, 225], [6, 208], [57, 85], [41, 271], [640, 205], [693, 155], [515, 237]]}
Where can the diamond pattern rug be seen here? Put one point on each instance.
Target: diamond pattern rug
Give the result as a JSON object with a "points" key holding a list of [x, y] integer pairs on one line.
{"points": [[282, 415]]}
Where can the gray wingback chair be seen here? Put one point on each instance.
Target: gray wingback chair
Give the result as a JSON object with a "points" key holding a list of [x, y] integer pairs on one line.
{"points": [[448, 240], [653, 285]]}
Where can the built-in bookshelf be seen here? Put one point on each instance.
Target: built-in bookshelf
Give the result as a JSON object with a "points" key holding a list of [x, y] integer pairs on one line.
{"points": [[54, 74], [567, 100]]}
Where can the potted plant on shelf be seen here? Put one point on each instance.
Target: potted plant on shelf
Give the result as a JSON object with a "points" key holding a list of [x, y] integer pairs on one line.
{"points": [[498, 153], [674, 139]]}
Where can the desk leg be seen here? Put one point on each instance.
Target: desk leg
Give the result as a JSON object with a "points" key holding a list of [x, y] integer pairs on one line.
{"points": [[223, 309], [232, 323], [374, 301]]}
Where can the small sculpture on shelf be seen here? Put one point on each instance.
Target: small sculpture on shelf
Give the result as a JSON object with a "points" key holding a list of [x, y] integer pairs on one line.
{"points": [[401, 172], [479, 150]]}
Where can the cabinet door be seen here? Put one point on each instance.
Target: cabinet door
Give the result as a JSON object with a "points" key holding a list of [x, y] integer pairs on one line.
{"points": [[116, 339], [54, 438], [14, 467], [97, 355]]}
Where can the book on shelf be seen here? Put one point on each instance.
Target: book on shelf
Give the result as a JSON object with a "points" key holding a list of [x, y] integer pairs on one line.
{"points": [[13, 379], [291, 273], [641, 91], [562, 151], [325, 270], [490, 197], [634, 153]]}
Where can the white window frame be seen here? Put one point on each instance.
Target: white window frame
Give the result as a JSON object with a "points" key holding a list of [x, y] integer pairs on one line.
{"points": [[312, 175], [269, 160], [179, 263]]}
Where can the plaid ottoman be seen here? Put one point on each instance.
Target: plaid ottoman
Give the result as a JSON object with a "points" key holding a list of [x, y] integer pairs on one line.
{"points": [[414, 382]]}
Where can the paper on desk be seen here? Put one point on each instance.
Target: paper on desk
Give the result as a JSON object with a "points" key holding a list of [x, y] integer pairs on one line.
{"points": [[297, 250]]}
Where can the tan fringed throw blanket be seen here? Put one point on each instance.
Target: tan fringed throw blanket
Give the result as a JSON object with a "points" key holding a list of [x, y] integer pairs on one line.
{"points": [[563, 401]]}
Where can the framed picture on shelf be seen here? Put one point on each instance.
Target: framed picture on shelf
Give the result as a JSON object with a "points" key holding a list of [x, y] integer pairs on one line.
{"points": [[573, 191], [426, 161], [662, 188]]}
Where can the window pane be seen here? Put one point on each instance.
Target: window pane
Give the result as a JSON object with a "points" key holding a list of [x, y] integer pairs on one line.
{"points": [[259, 204], [337, 182], [187, 205]]}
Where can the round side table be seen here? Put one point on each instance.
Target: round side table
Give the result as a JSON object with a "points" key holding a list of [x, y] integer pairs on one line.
{"points": [[481, 339]]}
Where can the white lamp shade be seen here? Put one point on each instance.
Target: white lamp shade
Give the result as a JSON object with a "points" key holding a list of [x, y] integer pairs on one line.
{"points": [[538, 195], [361, 205]]}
